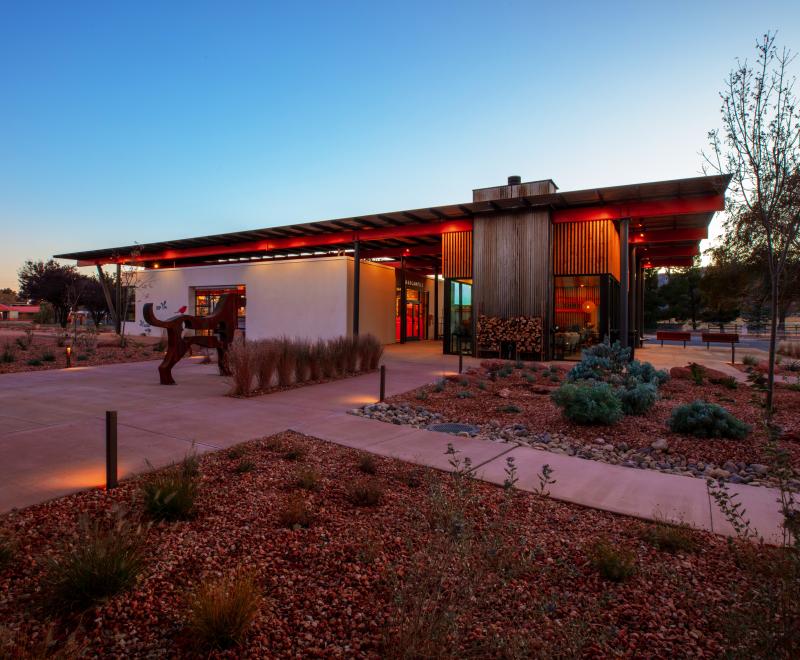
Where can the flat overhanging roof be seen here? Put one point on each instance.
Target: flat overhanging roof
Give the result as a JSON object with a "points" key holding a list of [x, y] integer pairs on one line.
{"points": [[660, 212]]}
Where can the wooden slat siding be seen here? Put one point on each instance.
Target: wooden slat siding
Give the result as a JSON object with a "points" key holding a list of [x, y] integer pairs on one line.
{"points": [[511, 265], [525, 189], [586, 248], [457, 254]]}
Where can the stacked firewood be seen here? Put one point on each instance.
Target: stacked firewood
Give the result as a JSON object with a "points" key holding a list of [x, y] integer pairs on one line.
{"points": [[524, 331]]}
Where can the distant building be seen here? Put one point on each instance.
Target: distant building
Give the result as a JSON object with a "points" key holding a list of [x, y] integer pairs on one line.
{"points": [[18, 312]]}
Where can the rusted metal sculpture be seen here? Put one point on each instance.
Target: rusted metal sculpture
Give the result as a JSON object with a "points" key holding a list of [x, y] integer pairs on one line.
{"points": [[222, 323]]}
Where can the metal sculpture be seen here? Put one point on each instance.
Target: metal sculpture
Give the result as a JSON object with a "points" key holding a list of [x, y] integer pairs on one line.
{"points": [[222, 323]]}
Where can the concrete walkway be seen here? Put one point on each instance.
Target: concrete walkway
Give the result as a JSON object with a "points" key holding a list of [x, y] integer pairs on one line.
{"points": [[51, 436]]}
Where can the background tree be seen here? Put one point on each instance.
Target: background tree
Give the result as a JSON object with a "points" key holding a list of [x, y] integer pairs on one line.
{"points": [[680, 295], [8, 296], [51, 282], [759, 146], [721, 286], [94, 301]]}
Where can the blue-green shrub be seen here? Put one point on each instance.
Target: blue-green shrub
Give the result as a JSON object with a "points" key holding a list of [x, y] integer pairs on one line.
{"points": [[707, 420], [637, 398], [588, 403], [647, 373], [601, 362]]}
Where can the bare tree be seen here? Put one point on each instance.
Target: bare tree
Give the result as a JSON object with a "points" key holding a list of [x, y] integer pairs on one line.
{"points": [[759, 145]]}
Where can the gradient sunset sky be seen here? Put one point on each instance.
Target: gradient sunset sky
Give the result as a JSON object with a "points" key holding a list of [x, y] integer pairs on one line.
{"points": [[136, 122]]}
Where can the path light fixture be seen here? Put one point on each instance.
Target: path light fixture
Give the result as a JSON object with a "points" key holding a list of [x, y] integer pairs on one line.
{"points": [[69, 356]]}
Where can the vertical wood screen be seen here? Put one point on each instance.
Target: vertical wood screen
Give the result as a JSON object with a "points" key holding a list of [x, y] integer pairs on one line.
{"points": [[512, 269], [584, 248], [457, 254]]}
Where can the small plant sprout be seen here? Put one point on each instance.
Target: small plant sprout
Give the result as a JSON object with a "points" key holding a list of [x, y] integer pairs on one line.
{"points": [[245, 465], [461, 466], [511, 479], [545, 480], [730, 508]]}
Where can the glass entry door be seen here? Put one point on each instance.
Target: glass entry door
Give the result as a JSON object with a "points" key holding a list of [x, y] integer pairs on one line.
{"points": [[458, 316], [205, 300]]}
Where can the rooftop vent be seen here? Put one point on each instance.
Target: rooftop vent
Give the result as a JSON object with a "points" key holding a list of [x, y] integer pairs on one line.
{"points": [[514, 180]]}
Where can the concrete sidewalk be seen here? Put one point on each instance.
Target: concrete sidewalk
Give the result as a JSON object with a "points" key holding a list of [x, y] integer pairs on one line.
{"points": [[52, 440]]}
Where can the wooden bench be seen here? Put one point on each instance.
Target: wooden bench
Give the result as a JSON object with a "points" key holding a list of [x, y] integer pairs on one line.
{"points": [[731, 338], [673, 335]]}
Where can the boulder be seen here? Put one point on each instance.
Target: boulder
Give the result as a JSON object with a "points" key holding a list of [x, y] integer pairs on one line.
{"points": [[659, 444]]}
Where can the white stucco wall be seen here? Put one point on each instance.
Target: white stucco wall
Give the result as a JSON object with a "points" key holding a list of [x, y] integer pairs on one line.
{"points": [[299, 298], [310, 298], [376, 300]]}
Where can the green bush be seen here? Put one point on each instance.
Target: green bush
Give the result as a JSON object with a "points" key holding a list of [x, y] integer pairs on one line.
{"points": [[637, 399], [707, 420], [588, 403], [48, 356], [34, 362], [647, 373], [670, 538]]}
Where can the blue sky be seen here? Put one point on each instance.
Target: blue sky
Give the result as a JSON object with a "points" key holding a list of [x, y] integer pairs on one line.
{"points": [[151, 121]]}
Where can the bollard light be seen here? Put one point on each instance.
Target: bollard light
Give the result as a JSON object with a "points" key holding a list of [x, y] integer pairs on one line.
{"points": [[383, 382], [111, 449], [69, 356]]}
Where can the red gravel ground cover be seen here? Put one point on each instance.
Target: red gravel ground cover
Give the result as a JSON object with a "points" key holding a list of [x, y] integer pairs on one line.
{"points": [[505, 575], [134, 351], [540, 414]]}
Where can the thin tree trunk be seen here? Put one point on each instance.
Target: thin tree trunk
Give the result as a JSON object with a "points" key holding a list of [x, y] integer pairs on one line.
{"points": [[773, 333]]}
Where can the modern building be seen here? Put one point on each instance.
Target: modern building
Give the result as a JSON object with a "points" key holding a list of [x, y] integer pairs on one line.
{"points": [[522, 269]]}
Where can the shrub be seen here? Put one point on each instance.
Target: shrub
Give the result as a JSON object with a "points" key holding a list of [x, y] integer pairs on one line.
{"points": [[726, 381], [34, 362], [638, 399], [48, 356], [364, 492], [600, 362], [307, 479], [589, 403], [367, 464], [671, 538], [240, 363], [697, 372], [315, 360], [236, 452], [295, 514], [511, 408], [82, 357], [422, 395], [6, 550], [750, 360], [611, 561], [222, 610], [294, 453], [647, 373], [244, 466], [104, 560], [171, 493], [465, 394], [8, 354], [707, 420], [412, 477], [302, 359]]}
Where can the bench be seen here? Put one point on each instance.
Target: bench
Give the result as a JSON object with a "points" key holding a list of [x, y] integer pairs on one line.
{"points": [[731, 338], [673, 335]]}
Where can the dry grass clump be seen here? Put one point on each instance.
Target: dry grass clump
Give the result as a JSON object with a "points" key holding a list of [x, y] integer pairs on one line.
{"points": [[307, 479], [611, 561], [171, 493], [222, 610], [364, 492], [293, 453], [241, 359], [6, 549], [669, 537], [23, 644], [296, 514], [105, 559], [367, 464], [285, 362], [790, 348]]}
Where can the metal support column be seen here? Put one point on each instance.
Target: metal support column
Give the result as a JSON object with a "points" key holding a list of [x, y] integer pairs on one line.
{"points": [[118, 305], [624, 281], [403, 328], [356, 285], [634, 294], [436, 302]]}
